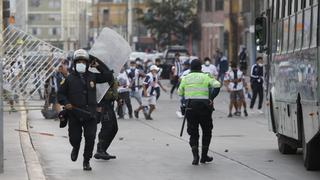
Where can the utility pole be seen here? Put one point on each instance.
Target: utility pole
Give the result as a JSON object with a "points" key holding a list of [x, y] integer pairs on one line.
{"points": [[130, 4], [5, 9], [253, 14]]}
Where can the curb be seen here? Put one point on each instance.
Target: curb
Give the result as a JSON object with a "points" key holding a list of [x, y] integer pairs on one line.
{"points": [[34, 168]]}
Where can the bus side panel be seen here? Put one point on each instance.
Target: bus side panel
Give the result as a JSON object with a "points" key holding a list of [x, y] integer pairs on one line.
{"points": [[307, 87]]}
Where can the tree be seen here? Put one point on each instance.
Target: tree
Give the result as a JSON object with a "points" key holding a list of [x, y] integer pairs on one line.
{"points": [[171, 21]]}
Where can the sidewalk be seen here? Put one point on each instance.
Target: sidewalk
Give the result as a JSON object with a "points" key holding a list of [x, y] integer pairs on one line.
{"points": [[14, 163]]}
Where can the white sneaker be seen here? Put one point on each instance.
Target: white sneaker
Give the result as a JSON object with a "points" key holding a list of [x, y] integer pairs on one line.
{"points": [[179, 114], [260, 112]]}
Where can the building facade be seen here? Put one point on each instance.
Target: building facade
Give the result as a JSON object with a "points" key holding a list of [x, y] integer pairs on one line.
{"points": [[121, 16], [212, 17], [63, 23]]}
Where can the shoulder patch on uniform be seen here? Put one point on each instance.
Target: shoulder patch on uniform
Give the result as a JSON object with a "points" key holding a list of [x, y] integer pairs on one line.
{"points": [[62, 82]]}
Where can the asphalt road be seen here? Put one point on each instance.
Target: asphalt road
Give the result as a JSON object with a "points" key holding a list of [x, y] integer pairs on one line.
{"points": [[243, 148]]}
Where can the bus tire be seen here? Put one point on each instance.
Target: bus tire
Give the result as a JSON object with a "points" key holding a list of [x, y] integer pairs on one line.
{"points": [[284, 147], [311, 156]]}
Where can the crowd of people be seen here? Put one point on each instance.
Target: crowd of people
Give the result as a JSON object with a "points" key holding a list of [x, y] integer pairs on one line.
{"points": [[73, 86]]}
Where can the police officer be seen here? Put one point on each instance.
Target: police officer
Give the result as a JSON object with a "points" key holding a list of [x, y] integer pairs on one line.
{"points": [[256, 80], [195, 87], [78, 95], [109, 125]]}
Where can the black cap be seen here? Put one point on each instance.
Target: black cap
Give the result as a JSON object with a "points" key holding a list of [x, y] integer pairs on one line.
{"points": [[196, 65], [186, 62]]}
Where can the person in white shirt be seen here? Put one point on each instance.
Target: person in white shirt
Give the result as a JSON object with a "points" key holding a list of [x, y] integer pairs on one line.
{"points": [[124, 94], [157, 88], [148, 93], [209, 68], [235, 82]]}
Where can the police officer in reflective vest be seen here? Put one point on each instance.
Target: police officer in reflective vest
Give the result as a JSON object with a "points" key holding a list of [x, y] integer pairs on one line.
{"points": [[195, 87], [78, 95]]}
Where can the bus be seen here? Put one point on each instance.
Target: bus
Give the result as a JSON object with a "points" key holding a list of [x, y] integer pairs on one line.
{"points": [[287, 32]]}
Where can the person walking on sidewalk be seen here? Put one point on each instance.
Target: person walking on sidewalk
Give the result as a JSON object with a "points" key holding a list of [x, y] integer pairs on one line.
{"points": [[78, 95], [256, 80], [109, 124], [148, 93], [235, 82], [195, 87]]}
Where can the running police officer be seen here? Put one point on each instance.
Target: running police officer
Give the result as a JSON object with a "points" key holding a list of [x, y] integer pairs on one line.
{"points": [[109, 125], [78, 95], [195, 87]]}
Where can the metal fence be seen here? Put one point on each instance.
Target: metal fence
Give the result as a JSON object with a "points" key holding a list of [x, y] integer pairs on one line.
{"points": [[27, 63]]}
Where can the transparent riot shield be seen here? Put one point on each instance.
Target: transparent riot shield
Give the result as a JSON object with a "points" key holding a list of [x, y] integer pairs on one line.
{"points": [[113, 51]]}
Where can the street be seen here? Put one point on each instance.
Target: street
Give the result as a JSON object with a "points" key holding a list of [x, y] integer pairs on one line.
{"points": [[243, 148]]}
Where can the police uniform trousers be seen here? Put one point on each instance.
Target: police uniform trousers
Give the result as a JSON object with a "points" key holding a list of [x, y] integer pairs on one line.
{"points": [[199, 114], [257, 89], [109, 125], [78, 123]]}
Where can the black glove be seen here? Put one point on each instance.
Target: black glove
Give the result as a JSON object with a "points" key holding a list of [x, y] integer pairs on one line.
{"points": [[98, 117]]}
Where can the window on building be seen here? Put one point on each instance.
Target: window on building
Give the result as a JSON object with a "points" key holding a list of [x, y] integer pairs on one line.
{"points": [[208, 5], [105, 16], [35, 31], [54, 17], [219, 5], [54, 4], [34, 17], [35, 3], [54, 31]]}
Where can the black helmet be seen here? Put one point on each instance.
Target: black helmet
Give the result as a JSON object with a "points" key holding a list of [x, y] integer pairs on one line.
{"points": [[196, 65]]}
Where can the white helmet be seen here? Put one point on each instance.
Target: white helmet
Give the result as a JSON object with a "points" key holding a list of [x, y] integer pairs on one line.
{"points": [[80, 54]]}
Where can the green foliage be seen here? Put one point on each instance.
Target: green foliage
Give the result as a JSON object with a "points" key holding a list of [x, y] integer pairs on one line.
{"points": [[171, 21]]}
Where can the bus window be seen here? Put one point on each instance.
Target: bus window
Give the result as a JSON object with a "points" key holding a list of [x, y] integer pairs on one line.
{"points": [[303, 4], [306, 28], [299, 30], [291, 32], [280, 2], [279, 36], [289, 7], [284, 9], [285, 35], [296, 5], [314, 26], [274, 37]]}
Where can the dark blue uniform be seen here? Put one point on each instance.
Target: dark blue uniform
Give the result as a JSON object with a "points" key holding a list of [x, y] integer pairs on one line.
{"points": [[256, 79], [79, 90]]}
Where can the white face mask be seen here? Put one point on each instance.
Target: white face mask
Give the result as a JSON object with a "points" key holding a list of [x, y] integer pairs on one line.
{"points": [[261, 65], [207, 63], [81, 68]]}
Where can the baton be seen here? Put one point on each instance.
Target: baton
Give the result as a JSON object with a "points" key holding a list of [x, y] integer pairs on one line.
{"points": [[185, 117], [80, 110]]}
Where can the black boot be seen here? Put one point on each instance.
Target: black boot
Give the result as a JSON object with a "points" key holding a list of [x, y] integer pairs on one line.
{"points": [[74, 154], [204, 155], [110, 156], [86, 165], [101, 154], [195, 153]]}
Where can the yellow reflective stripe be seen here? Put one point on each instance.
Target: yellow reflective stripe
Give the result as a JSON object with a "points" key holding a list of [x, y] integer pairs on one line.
{"points": [[199, 89], [196, 97]]}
